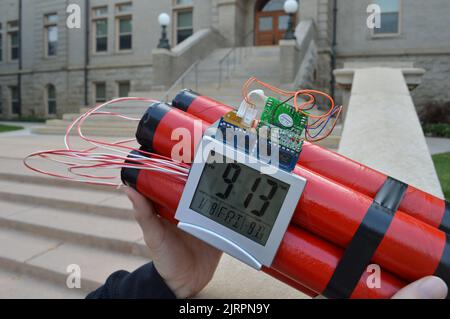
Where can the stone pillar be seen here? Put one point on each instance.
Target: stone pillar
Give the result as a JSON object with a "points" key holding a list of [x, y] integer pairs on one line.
{"points": [[289, 56], [228, 11], [163, 63], [382, 129]]}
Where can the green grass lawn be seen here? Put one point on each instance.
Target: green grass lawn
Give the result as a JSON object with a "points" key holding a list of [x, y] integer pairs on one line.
{"points": [[442, 164], [8, 128]]}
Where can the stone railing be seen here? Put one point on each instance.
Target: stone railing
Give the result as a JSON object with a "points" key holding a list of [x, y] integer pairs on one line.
{"points": [[169, 65], [299, 57], [382, 129]]}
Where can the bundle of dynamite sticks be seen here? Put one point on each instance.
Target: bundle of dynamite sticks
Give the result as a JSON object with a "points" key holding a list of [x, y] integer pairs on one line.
{"points": [[348, 217]]}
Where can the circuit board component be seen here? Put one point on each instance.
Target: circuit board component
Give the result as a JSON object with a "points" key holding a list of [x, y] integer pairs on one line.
{"points": [[289, 122], [280, 125]]}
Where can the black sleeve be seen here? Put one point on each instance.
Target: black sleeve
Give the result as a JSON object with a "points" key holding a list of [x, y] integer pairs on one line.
{"points": [[143, 283]]}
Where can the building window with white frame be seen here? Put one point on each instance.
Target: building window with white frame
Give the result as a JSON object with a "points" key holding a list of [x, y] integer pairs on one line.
{"points": [[124, 26], [51, 34], [15, 103], [183, 17], [123, 88], [389, 18], [100, 29], [13, 36], [100, 92], [51, 99]]}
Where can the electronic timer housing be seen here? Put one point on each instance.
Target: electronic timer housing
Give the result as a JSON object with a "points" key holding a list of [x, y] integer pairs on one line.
{"points": [[216, 205]]}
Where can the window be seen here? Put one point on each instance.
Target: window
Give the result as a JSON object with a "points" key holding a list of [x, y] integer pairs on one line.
{"points": [[51, 34], [184, 25], [124, 27], [125, 36], [274, 5], [124, 8], [100, 92], [15, 104], [13, 34], [184, 2], [183, 20], [390, 17], [100, 26], [51, 99], [1, 44], [123, 88]]}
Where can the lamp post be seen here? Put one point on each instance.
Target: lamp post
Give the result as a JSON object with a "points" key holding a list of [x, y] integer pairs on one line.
{"points": [[164, 20], [290, 7]]}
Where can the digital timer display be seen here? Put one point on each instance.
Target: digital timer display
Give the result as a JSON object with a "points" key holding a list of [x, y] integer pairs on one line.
{"points": [[240, 198]]}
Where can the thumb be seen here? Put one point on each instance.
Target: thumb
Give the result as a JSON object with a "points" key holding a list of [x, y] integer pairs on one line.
{"points": [[144, 213], [430, 287]]}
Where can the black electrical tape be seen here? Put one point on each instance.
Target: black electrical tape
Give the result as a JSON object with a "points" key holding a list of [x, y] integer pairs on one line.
{"points": [[445, 222], [149, 122], [442, 270], [184, 99], [129, 175], [367, 238]]}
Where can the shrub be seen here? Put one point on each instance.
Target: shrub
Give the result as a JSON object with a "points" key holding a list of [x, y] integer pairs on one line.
{"points": [[438, 129], [435, 112]]}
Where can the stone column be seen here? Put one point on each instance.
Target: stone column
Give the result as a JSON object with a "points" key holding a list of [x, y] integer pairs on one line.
{"points": [[289, 56], [163, 63], [228, 11]]}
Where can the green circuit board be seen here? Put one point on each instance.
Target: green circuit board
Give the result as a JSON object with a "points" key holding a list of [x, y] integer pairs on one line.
{"points": [[290, 124]]}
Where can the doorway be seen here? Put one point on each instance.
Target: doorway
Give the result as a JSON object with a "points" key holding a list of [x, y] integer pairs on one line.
{"points": [[271, 22]]}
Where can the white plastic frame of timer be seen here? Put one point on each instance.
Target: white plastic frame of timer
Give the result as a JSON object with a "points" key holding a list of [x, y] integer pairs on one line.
{"points": [[216, 205]]}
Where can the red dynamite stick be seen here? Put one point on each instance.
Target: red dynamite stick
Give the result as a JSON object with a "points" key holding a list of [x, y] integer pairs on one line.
{"points": [[301, 260], [410, 248], [419, 204]]}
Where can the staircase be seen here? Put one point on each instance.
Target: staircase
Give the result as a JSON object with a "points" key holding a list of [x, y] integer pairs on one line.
{"points": [[48, 224], [262, 62], [100, 125]]}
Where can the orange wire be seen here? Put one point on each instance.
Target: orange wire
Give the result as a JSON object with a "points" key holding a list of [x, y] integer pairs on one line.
{"points": [[295, 94]]}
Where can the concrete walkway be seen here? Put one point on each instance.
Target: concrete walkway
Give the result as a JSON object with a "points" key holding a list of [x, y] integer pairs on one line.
{"points": [[26, 125], [438, 145]]}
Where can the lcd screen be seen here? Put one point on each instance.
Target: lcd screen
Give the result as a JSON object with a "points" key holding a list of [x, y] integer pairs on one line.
{"points": [[240, 198]]}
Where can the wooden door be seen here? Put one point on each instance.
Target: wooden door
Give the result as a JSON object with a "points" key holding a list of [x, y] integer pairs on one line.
{"points": [[270, 27]]}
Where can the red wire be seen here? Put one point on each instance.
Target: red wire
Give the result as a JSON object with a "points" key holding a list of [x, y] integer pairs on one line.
{"points": [[103, 160]]}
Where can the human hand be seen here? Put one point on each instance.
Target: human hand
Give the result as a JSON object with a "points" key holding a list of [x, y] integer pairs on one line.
{"points": [[184, 262], [430, 287]]}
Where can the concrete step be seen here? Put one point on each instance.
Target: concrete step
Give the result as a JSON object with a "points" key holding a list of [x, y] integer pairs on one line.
{"points": [[116, 234], [101, 119], [13, 169], [94, 123], [24, 286], [48, 258], [93, 131], [99, 202]]}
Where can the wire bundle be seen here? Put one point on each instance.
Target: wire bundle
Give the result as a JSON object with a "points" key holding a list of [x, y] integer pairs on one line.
{"points": [[320, 122], [101, 155]]}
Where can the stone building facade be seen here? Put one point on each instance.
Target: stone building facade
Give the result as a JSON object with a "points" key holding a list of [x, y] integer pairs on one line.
{"points": [[47, 68]]}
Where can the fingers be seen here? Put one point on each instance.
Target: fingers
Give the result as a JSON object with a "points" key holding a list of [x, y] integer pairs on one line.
{"points": [[430, 287], [151, 225]]}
